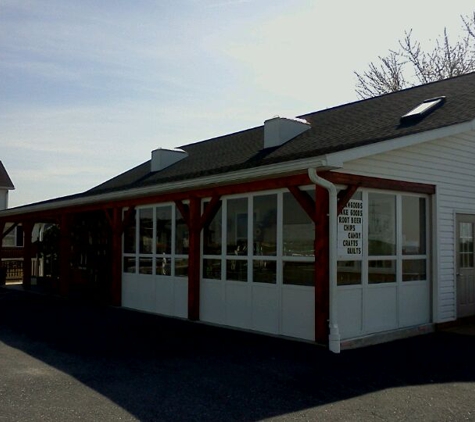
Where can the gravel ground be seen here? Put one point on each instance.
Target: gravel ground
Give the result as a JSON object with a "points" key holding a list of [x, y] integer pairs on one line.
{"points": [[65, 361]]}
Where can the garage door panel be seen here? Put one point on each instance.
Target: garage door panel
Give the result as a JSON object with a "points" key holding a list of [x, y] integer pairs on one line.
{"points": [[265, 308], [298, 312]]}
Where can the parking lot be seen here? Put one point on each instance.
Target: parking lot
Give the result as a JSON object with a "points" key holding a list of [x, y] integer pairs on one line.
{"points": [[63, 360]]}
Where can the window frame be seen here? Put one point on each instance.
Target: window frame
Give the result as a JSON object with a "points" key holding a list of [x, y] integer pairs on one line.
{"points": [[398, 257], [172, 257]]}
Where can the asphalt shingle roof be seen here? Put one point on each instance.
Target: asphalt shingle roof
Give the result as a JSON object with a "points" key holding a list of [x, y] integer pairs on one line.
{"points": [[335, 129]]}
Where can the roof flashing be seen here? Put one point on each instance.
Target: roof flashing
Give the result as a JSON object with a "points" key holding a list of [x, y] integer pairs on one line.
{"points": [[422, 110]]}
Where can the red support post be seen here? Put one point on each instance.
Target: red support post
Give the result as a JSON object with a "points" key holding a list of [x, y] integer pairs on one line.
{"points": [[194, 260], [3, 275], [27, 253], [64, 255], [322, 265], [116, 285]]}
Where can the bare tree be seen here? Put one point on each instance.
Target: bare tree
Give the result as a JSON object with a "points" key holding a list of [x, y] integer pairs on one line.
{"points": [[411, 65]]}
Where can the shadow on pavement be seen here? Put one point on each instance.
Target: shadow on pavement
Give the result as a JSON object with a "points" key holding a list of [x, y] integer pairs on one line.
{"points": [[157, 368]]}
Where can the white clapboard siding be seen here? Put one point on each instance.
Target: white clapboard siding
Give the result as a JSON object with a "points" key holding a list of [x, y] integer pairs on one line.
{"points": [[448, 163]]}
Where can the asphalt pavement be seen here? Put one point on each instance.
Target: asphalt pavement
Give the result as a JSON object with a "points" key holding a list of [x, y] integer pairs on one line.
{"points": [[61, 360]]}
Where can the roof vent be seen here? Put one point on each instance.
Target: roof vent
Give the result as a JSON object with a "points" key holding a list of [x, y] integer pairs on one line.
{"points": [[279, 130], [163, 158], [422, 110]]}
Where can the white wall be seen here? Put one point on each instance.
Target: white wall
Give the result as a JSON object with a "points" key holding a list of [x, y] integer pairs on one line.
{"points": [[448, 163], [3, 199]]}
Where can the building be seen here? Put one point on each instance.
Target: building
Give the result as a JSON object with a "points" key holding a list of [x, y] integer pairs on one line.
{"points": [[343, 226], [6, 185], [12, 239]]}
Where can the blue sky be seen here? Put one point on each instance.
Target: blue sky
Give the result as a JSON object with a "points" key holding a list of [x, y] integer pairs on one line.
{"points": [[89, 88]]}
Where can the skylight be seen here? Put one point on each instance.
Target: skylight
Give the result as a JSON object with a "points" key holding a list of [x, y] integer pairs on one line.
{"points": [[422, 110]]}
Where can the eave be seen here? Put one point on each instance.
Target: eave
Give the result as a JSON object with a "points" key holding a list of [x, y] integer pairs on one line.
{"points": [[323, 163]]}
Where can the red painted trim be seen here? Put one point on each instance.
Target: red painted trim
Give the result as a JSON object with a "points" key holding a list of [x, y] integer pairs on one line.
{"points": [[210, 211], [377, 183], [128, 216], [231, 189], [9, 230], [305, 201], [237, 188], [184, 211], [344, 197], [108, 217]]}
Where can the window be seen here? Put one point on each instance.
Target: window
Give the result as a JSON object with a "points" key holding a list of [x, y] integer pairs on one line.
{"points": [[298, 234], [237, 227], [381, 224], [212, 246], [14, 238], [348, 273], [392, 239], [146, 231], [299, 273], [156, 242], [422, 110], [254, 246], [264, 239], [414, 235], [466, 245], [413, 225], [298, 228], [130, 242]]}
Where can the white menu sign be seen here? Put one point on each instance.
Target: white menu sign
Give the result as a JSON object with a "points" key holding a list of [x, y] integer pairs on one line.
{"points": [[350, 230]]}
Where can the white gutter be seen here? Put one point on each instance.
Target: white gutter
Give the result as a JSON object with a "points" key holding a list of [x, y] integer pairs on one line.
{"points": [[334, 337]]}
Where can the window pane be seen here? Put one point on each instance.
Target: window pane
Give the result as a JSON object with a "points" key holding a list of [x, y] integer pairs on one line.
{"points": [[299, 273], [163, 265], [381, 224], [212, 269], [466, 245], [182, 241], [145, 265], [129, 236], [349, 273], [298, 228], [414, 269], [381, 272], [146, 230], [10, 239], [212, 237], [181, 267], [265, 225], [413, 225], [264, 272], [129, 264], [236, 227], [236, 270], [164, 229]]}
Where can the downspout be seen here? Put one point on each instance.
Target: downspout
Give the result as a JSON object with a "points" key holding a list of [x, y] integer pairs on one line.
{"points": [[334, 337]]}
